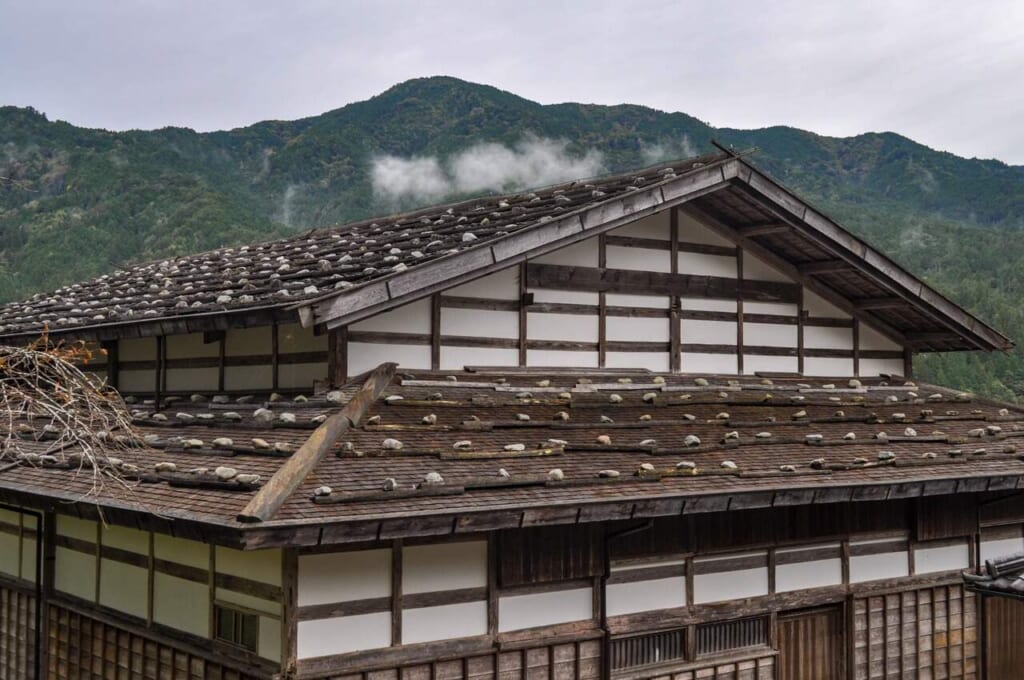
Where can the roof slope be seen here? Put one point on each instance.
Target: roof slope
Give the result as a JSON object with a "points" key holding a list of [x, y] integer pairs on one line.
{"points": [[627, 444], [338, 275]]}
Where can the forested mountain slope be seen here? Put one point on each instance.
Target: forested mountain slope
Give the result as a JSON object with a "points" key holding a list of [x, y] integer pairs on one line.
{"points": [[76, 202]]}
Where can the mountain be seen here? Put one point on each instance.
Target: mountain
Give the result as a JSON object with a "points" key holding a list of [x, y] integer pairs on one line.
{"points": [[76, 202]]}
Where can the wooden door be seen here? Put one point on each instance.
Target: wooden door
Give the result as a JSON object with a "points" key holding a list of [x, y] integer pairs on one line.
{"points": [[811, 645], [1004, 633]]}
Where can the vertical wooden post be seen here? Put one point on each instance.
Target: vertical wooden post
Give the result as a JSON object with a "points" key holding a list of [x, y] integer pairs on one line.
{"points": [[222, 344], [396, 592], [674, 303], [47, 533], [800, 331], [290, 624], [492, 589], [908, 363], [337, 356], [602, 306], [161, 353], [739, 311], [274, 356], [856, 347], [435, 331], [113, 361], [522, 314]]}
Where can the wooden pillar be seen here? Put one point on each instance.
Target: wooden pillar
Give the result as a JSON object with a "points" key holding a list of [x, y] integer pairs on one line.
{"points": [[161, 373], [113, 361], [908, 363], [739, 311], [47, 534], [435, 331], [800, 331], [274, 356], [602, 306], [856, 347], [522, 314], [396, 593], [674, 303], [290, 622], [221, 360], [337, 356]]}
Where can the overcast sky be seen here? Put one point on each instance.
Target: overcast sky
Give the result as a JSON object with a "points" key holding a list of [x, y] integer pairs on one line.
{"points": [[948, 74]]}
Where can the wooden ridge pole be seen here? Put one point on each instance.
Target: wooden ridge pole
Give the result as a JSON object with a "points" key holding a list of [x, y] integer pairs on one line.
{"points": [[269, 499]]}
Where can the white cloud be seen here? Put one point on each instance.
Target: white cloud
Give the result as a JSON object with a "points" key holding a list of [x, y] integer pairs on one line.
{"points": [[532, 162]]}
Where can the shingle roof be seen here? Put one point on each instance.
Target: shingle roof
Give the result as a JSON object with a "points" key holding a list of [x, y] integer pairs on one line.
{"points": [[277, 274], [792, 441]]}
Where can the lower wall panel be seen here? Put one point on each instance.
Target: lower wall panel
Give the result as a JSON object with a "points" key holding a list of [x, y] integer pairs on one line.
{"points": [[82, 647], [927, 633], [17, 633]]}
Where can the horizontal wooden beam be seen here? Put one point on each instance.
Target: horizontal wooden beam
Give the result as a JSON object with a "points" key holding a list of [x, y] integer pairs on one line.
{"points": [[825, 267], [925, 337], [872, 304], [598, 279], [767, 229]]}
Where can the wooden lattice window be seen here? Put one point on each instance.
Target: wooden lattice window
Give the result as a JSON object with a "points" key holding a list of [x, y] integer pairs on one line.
{"points": [[237, 627], [716, 638], [647, 649]]}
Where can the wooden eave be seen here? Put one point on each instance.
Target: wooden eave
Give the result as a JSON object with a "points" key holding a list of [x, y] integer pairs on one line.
{"points": [[907, 309]]}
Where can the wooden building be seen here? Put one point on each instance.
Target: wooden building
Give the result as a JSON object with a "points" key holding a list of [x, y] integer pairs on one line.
{"points": [[653, 425]]}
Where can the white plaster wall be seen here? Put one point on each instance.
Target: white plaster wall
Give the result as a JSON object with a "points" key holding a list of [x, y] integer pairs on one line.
{"points": [[699, 331], [340, 577], [801, 575], [459, 357], [872, 339], [629, 300], [28, 550], [652, 361], [444, 622], [516, 612], [821, 337], [190, 345], [730, 585], [880, 366], [756, 270], [181, 550], [444, 566], [411, 318], [181, 604], [1000, 547], [257, 565], [769, 334], [561, 358], [246, 601], [364, 356], [943, 558], [195, 379], [126, 539], [584, 253], [780, 308], [248, 377], [136, 349], [642, 596], [269, 643], [10, 545], [708, 305], [826, 366], [124, 587], [324, 637], [300, 376], [574, 297], [75, 573], [502, 285], [654, 226], [708, 363], [881, 566], [817, 306], [248, 341], [639, 329], [292, 337], [642, 259], [136, 381], [580, 327], [479, 323], [692, 231], [701, 264], [752, 363]]}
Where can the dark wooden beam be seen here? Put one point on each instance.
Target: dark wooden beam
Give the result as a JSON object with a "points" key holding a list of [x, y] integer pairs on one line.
{"points": [[597, 279], [767, 229], [435, 331], [337, 356], [269, 499], [739, 311], [824, 267], [872, 304], [113, 361], [674, 329], [928, 337]]}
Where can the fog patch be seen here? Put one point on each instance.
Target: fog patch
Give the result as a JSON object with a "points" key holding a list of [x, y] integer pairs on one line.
{"points": [[532, 162], [668, 150]]}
